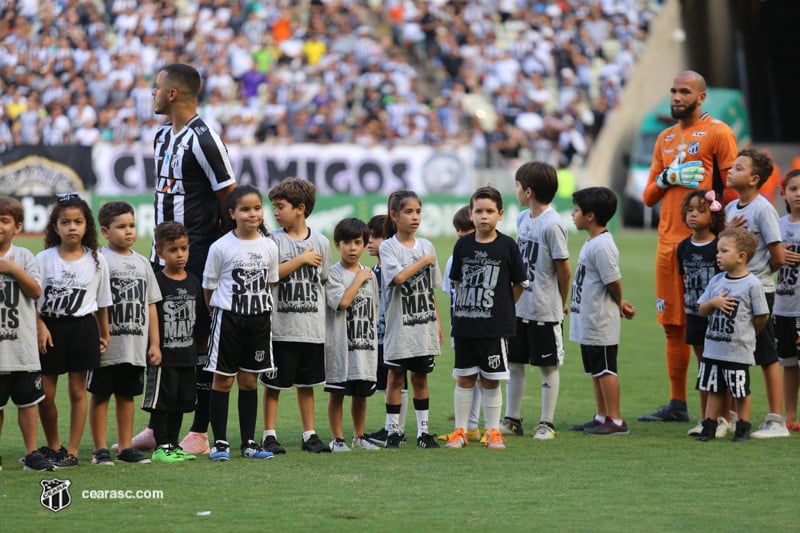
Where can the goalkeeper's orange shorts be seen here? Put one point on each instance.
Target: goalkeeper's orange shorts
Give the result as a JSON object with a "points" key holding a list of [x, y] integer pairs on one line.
{"points": [[669, 286]]}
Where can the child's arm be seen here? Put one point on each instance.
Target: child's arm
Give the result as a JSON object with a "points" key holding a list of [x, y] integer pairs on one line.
{"points": [[777, 255], [626, 309], [102, 324], [308, 257], [405, 274], [154, 350], [516, 291], [759, 322], [563, 275], [438, 322], [29, 286], [721, 302], [43, 334], [207, 294], [350, 293]]}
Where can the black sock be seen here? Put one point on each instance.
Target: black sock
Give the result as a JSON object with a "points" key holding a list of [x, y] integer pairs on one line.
{"points": [[248, 407], [174, 421], [158, 422], [218, 413], [202, 388]]}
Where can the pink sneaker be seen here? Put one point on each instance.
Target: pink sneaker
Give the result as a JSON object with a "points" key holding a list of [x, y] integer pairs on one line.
{"points": [[195, 443], [144, 441]]}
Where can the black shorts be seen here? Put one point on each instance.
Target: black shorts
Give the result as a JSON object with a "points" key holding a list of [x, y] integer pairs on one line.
{"points": [[24, 389], [356, 388], [717, 376], [696, 326], [169, 389], [487, 357], [787, 334], [599, 360], [123, 379], [421, 365], [765, 353], [239, 343], [383, 373], [537, 343], [299, 364], [76, 345]]}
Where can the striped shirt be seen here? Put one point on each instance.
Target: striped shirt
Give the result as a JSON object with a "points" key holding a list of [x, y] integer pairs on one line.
{"points": [[191, 165]]}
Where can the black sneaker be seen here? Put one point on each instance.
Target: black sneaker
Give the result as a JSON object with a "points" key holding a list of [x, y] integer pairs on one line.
{"points": [[511, 426], [379, 437], [36, 461], [393, 440], [271, 444], [315, 445], [102, 457], [608, 428], [64, 459], [132, 455], [674, 411], [586, 425], [426, 441], [742, 431]]}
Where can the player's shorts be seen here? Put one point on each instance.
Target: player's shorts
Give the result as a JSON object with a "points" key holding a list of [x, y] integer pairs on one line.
{"points": [[383, 373], [357, 388], [487, 357], [765, 353], [298, 364], [537, 343], [123, 379], [422, 364], [24, 389], [669, 286], [696, 326], [76, 345], [239, 343], [787, 337], [599, 360], [169, 389], [717, 376]]}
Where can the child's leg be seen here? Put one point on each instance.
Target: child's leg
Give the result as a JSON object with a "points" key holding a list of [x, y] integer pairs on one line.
{"points": [[358, 410], [715, 404], [125, 410], [463, 399], [305, 401], [394, 384], [698, 353], [248, 405], [77, 415], [159, 425], [743, 408], [601, 411], [335, 402], [28, 422], [492, 403], [551, 382], [609, 390], [98, 420], [791, 383], [48, 412], [403, 403], [475, 409], [271, 397], [218, 405], [515, 389], [174, 421], [419, 382], [773, 382]]}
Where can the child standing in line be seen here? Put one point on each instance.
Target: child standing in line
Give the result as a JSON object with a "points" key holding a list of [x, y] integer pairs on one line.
{"points": [[134, 341], [240, 269], [413, 328], [72, 325], [489, 277], [351, 345], [19, 363], [697, 264], [298, 327], [787, 299], [596, 307], [737, 309], [170, 387], [542, 241], [749, 172]]}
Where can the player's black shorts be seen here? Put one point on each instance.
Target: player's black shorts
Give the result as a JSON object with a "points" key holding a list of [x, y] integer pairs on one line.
{"points": [[421, 365], [599, 360], [123, 379], [76, 345], [299, 364], [24, 389], [787, 335], [765, 353], [717, 376], [696, 326], [487, 357], [239, 343], [357, 388], [537, 343], [169, 389]]}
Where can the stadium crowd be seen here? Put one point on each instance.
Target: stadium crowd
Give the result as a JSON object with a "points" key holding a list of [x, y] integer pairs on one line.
{"points": [[514, 78]]}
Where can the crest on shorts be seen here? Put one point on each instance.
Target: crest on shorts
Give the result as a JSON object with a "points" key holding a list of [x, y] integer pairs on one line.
{"points": [[55, 494], [694, 147], [494, 362], [259, 355]]}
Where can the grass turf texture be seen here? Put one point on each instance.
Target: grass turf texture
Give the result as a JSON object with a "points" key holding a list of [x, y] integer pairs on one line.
{"points": [[655, 479]]}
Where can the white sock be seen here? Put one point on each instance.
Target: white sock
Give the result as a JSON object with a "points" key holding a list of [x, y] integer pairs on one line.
{"points": [[551, 381], [401, 421], [462, 401], [392, 423], [268, 433], [475, 409], [600, 418], [515, 389], [307, 434], [492, 404], [422, 421]]}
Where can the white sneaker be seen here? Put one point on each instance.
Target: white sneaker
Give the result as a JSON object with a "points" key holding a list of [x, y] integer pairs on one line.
{"points": [[339, 445], [723, 427], [773, 426], [698, 429], [544, 432], [363, 443]]}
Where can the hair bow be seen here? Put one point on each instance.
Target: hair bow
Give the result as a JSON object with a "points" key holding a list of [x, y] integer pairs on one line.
{"points": [[712, 198]]}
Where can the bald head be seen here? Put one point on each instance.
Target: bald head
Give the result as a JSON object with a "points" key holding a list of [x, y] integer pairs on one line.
{"points": [[687, 94], [695, 78]]}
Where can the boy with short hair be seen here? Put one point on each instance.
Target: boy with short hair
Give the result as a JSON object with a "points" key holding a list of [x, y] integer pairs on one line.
{"points": [[132, 320], [351, 344], [749, 172], [20, 287], [596, 307], [542, 240], [170, 387], [489, 277], [298, 323], [737, 309]]}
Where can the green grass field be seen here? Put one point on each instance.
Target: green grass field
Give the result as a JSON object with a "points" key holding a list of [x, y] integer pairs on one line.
{"points": [[656, 479]]}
